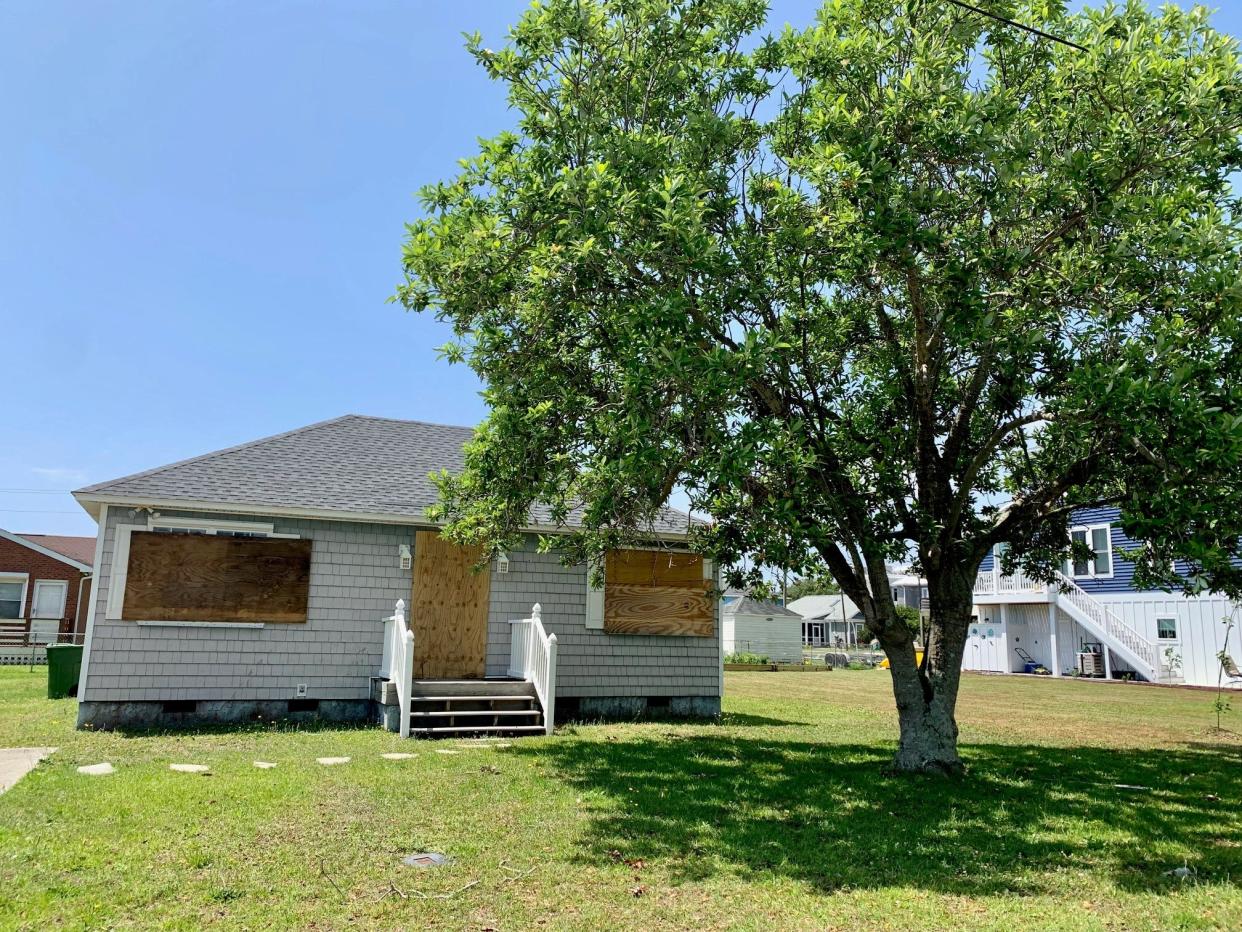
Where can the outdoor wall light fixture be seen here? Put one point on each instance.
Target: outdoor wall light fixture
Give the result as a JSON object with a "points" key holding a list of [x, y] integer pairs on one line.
{"points": [[502, 562], [406, 560]]}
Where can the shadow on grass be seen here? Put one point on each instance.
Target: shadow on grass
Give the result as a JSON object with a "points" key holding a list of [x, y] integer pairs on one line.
{"points": [[829, 815], [741, 719]]}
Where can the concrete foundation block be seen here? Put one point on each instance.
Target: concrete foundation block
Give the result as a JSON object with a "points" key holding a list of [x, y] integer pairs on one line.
{"points": [[180, 713]]}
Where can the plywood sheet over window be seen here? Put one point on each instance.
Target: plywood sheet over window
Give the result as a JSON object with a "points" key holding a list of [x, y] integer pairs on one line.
{"points": [[657, 592], [198, 577]]}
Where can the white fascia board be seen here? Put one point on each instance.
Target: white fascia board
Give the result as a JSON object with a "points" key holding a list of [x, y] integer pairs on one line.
{"points": [[318, 514]]}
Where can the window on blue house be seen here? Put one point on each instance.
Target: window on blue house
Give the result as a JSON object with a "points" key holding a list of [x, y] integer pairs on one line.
{"points": [[1098, 539], [1166, 629]]}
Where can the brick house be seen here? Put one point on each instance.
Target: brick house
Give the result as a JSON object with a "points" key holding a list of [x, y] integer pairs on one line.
{"points": [[44, 578]]}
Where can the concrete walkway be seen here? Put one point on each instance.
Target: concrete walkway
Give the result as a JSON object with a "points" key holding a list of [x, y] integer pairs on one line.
{"points": [[15, 763]]}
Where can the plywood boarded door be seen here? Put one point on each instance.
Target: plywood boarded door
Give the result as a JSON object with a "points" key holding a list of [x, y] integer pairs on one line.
{"points": [[448, 610]]}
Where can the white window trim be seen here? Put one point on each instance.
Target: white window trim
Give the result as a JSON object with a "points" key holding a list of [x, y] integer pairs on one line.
{"points": [[212, 525], [24, 579], [64, 599], [1177, 630], [594, 600], [120, 561], [199, 624], [1108, 536]]}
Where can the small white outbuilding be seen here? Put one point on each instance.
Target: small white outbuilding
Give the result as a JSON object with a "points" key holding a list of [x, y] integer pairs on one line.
{"points": [[754, 627]]}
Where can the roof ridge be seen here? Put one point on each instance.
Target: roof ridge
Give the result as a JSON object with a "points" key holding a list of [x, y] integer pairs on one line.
{"points": [[403, 420], [103, 486]]}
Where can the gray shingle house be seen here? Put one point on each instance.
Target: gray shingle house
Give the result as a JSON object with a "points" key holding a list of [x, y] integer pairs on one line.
{"points": [[297, 575]]}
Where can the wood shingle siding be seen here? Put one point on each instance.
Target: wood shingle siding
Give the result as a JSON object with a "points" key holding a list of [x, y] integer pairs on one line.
{"points": [[355, 580], [591, 662]]}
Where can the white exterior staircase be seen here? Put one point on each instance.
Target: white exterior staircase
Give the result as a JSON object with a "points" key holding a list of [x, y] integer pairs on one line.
{"points": [[1113, 631], [523, 703], [1109, 628]]}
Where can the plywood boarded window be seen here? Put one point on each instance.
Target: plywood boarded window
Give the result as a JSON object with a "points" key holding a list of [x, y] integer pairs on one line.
{"points": [[199, 577], [657, 592]]}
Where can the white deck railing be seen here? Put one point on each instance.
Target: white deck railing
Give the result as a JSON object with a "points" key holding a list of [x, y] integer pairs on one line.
{"points": [[1111, 624], [993, 582], [398, 662], [532, 657]]}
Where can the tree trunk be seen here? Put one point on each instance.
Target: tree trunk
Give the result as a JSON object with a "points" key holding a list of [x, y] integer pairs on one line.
{"points": [[927, 696]]}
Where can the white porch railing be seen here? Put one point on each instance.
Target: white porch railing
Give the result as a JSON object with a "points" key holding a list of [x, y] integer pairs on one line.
{"points": [[993, 582], [398, 662], [532, 657], [1111, 624]]}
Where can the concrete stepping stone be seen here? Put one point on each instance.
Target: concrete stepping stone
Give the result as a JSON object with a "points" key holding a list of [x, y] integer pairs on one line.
{"points": [[15, 763], [97, 770], [397, 755], [190, 768], [447, 751], [264, 765], [332, 761]]}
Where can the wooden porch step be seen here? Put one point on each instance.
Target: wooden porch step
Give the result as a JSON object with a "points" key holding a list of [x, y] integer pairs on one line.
{"points": [[488, 689], [528, 699], [462, 713], [479, 729]]}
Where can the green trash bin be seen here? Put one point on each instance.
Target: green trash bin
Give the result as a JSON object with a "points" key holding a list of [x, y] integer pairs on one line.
{"points": [[64, 663]]}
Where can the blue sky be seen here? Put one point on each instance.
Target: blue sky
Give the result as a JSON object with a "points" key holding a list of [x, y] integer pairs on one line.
{"points": [[201, 212]]}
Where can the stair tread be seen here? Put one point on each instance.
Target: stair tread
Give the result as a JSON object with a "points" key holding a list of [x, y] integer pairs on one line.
{"points": [[461, 712], [497, 680], [472, 698], [476, 728]]}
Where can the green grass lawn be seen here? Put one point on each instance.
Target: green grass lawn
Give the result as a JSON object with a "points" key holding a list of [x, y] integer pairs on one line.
{"points": [[778, 818]]}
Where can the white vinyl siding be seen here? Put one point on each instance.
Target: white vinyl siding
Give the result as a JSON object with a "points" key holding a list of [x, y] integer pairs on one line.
{"points": [[778, 637]]}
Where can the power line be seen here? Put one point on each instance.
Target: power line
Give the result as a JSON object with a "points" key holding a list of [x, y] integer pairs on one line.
{"points": [[1009, 22], [36, 511], [37, 491]]}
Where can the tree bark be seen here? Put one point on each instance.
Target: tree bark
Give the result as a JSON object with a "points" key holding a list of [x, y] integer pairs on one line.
{"points": [[926, 694]]}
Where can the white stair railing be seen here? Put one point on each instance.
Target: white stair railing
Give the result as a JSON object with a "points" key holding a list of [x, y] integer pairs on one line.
{"points": [[398, 662], [1111, 624], [532, 657]]}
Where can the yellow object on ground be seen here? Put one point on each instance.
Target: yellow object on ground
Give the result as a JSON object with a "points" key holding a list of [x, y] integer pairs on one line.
{"points": [[918, 658]]}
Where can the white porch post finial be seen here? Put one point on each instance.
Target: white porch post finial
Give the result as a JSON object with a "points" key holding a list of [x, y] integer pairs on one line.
{"points": [[536, 610], [401, 605]]}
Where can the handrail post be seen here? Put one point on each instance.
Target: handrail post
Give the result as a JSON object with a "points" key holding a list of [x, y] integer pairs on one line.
{"points": [[549, 707], [403, 660], [534, 642]]}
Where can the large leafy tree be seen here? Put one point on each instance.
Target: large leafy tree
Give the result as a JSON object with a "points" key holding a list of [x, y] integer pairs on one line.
{"points": [[901, 285]]}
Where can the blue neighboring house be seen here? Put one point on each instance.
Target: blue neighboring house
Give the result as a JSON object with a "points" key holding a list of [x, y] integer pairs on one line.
{"points": [[1095, 622]]}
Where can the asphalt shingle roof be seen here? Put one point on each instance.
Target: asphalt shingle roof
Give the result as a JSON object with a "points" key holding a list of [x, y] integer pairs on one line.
{"points": [[816, 607], [352, 464], [81, 549], [748, 606]]}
